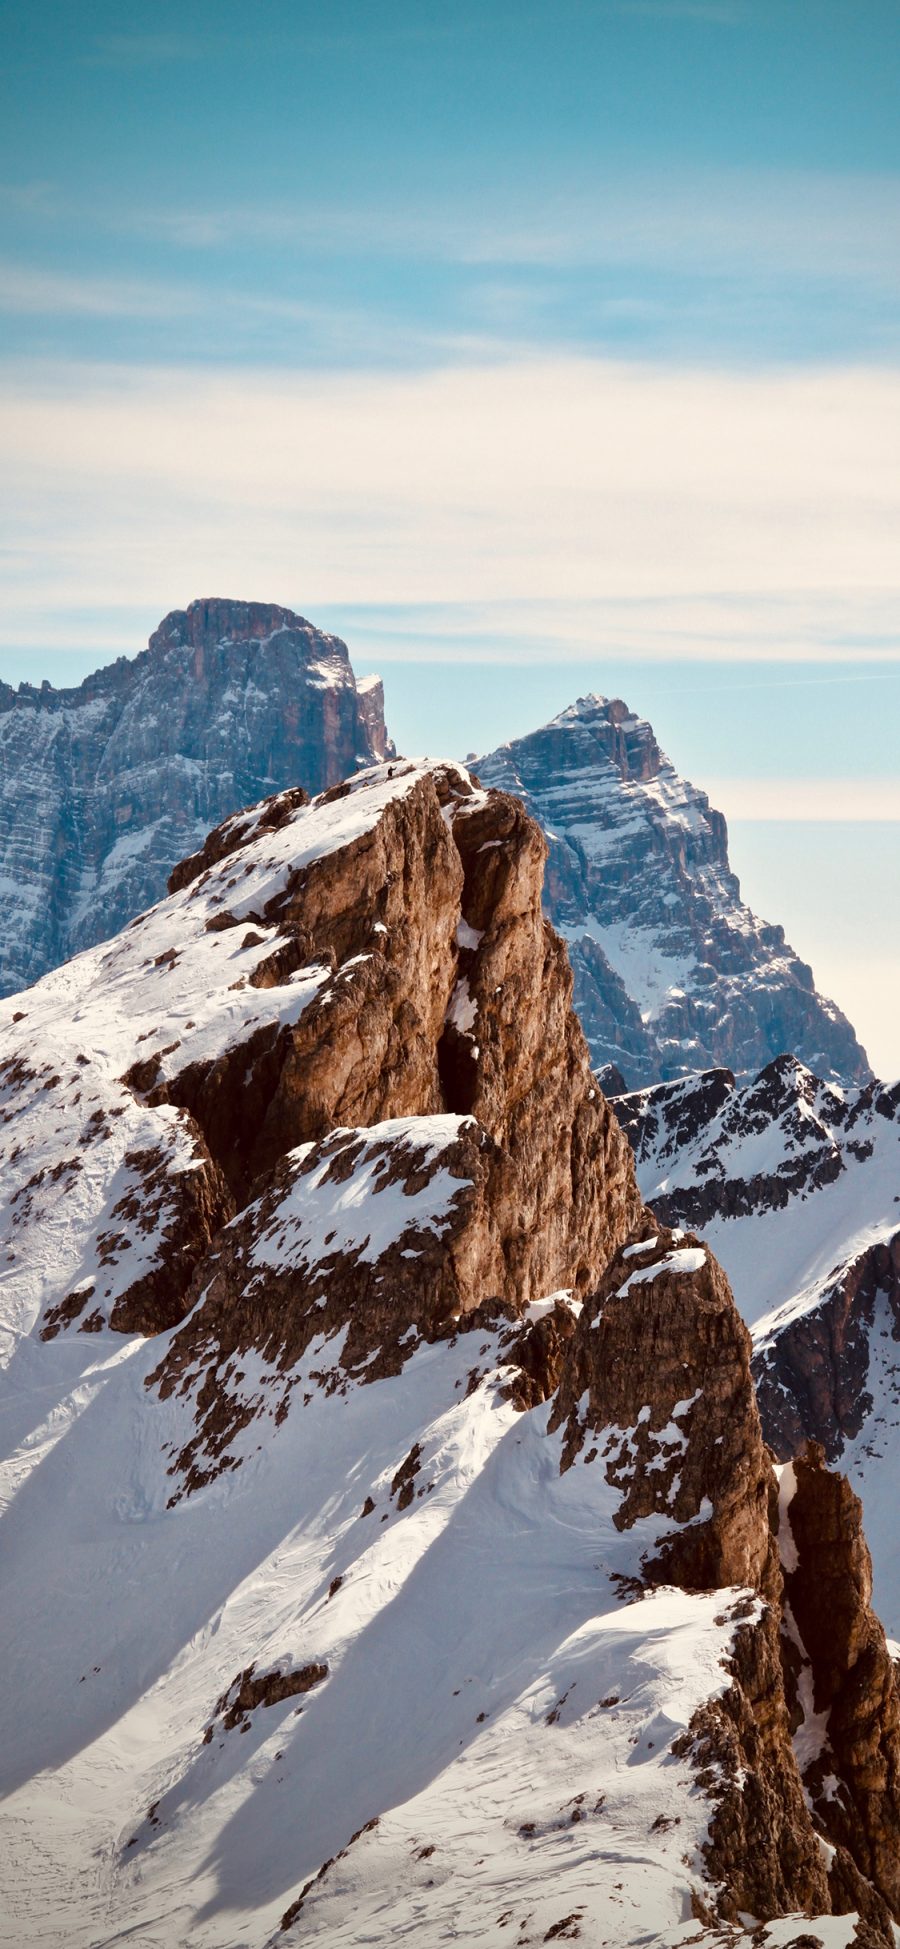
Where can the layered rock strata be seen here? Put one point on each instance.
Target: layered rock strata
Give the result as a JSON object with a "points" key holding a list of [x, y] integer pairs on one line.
{"points": [[673, 973], [105, 786]]}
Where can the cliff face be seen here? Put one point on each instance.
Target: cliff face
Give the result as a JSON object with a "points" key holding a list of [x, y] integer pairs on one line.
{"points": [[370, 1454], [673, 973], [809, 1724], [106, 786]]}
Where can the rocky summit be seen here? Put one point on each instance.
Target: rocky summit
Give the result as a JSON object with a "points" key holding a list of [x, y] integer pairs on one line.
{"points": [[106, 786], [391, 1545], [673, 973]]}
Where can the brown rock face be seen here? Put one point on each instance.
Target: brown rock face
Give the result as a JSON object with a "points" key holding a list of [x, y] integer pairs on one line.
{"points": [[447, 1005], [294, 1268], [382, 914], [762, 1853], [665, 1361], [854, 1779]]}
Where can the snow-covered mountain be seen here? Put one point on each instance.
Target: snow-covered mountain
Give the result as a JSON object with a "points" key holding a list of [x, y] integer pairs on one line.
{"points": [[673, 973], [795, 1185], [104, 787], [390, 1546]]}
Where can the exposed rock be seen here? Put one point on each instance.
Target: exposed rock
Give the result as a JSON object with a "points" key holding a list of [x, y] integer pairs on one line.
{"points": [[795, 1184], [252, 1689], [762, 1854], [707, 1149], [673, 973], [811, 1363], [107, 785], [852, 1744], [664, 1360], [690, 1465], [382, 1236], [448, 1003]]}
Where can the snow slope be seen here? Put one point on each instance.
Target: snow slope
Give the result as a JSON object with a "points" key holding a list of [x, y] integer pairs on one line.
{"points": [[487, 1698]]}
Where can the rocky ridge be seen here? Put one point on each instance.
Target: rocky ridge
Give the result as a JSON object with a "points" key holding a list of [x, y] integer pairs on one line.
{"points": [[673, 973], [105, 786], [332, 1317], [794, 1183]]}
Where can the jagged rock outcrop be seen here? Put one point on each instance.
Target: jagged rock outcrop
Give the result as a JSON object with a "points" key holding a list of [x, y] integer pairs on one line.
{"points": [[385, 1236], [107, 785], [707, 1148], [762, 1855], [811, 1361], [448, 993], [847, 1696], [360, 1000], [673, 973], [812, 1707], [692, 1454]]}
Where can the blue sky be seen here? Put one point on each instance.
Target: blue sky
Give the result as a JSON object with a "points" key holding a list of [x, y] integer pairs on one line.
{"points": [[534, 348]]}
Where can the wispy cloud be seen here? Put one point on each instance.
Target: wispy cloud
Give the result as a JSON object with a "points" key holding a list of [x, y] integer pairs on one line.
{"points": [[793, 222], [835, 801], [35, 291], [553, 507]]}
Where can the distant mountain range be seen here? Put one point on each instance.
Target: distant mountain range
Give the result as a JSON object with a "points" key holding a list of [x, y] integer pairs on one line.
{"points": [[104, 787]]}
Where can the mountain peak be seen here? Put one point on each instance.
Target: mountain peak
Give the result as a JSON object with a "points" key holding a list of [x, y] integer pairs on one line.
{"points": [[110, 784], [585, 709], [211, 620], [673, 973]]}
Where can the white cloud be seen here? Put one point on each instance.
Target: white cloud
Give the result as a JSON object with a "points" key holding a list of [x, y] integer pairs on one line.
{"points": [[570, 503]]}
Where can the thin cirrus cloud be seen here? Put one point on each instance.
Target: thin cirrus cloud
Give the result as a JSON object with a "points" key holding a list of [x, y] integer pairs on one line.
{"points": [[818, 223], [839, 801], [514, 511], [37, 292]]}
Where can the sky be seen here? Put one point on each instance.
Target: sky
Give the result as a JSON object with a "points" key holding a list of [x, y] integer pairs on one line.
{"points": [[535, 349]]}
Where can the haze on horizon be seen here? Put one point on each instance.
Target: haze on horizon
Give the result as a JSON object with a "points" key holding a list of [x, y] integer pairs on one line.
{"points": [[534, 350]]}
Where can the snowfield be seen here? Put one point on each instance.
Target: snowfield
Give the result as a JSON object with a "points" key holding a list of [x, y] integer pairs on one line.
{"points": [[489, 1700]]}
